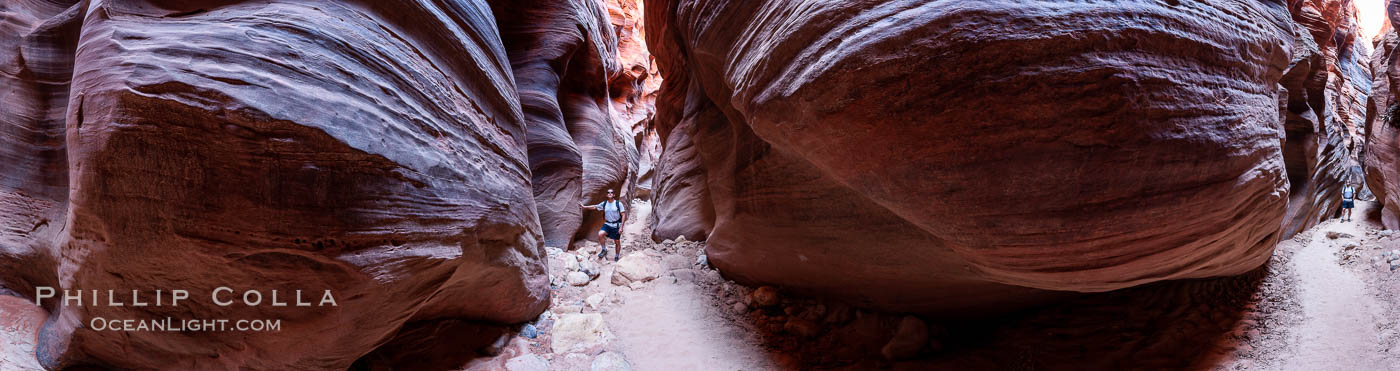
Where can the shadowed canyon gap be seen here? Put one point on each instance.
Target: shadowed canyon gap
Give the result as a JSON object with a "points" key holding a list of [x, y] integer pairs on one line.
{"points": [[415, 157]]}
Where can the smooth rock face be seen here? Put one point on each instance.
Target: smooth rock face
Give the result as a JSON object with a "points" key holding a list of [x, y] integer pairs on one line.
{"points": [[953, 156], [376, 149], [1382, 150], [1322, 103], [563, 53]]}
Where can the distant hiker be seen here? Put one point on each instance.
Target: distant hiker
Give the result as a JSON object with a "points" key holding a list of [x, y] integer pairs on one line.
{"points": [[614, 213], [1348, 201]]}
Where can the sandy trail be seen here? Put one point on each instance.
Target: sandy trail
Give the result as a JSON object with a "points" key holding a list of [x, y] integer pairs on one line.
{"points": [[674, 325], [670, 326], [1340, 316]]}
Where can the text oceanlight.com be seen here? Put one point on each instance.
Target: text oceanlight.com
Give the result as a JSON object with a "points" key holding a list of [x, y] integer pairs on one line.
{"points": [[181, 325]]}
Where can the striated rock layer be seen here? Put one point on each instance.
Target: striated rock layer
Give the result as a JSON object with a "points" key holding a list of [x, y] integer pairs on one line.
{"points": [[376, 149], [1382, 150], [949, 156], [1323, 105], [563, 54]]}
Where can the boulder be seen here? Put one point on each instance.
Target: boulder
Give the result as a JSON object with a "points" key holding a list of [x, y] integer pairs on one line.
{"points": [[909, 338], [374, 149], [594, 301], [579, 333], [766, 297], [780, 131], [635, 268], [578, 278]]}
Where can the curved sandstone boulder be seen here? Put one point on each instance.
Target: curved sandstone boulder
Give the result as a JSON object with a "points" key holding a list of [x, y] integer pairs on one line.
{"points": [[949, 156], [376, 149]]}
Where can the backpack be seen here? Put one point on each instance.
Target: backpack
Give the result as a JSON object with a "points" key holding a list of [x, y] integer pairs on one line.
{"points": [[617, 203]]}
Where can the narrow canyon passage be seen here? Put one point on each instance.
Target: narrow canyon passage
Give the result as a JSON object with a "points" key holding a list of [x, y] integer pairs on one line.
{"points": [[1341, 317], [886, 184]]}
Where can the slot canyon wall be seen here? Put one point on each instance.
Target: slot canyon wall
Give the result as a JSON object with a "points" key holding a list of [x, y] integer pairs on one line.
{"points": [[1382, 136], [952, 156], [1323, 103], [411, 156]]}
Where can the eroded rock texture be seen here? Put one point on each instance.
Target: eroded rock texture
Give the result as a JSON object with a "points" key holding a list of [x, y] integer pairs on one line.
{"points": [[376, 149], [634, 89], [564, 54], [1382, 150], [1323, 104], [951, 155]]}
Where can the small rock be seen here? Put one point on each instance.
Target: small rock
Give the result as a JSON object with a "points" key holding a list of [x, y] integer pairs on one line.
{"points": [[571, 262], [668, 242], [765, 297], [1386, 233], [1350, 245], [792, 310], [702, 260], [1332, 235], [680, 239], [636, 286], [590, 268], [500, 344], [740, 308], [579, 333], [527, 362], [611, 361], [712, 276], [577, 278], [594, 301], [802, 327], [909, 338], [529, 331]]}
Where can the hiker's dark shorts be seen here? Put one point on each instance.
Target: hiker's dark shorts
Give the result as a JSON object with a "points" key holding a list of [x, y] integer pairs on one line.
{"points": [[1348, 204], [612, 232]]}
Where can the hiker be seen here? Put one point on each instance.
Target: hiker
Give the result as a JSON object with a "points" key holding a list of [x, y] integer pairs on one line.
{"points": [[614, 213], [1348, 201]]}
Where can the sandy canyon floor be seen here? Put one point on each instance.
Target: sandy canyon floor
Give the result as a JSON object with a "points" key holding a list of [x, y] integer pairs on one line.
{"points": [[1324, 302], [1320, 304]]}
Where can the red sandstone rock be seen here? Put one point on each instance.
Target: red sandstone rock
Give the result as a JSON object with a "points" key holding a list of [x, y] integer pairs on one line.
{"points": [[1323, 108], [1382, 162], [564, 54], [950, 156], [373, 148]]}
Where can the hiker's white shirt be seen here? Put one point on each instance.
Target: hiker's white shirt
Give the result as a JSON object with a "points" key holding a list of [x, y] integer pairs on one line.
{"points": [[612, 211]]}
